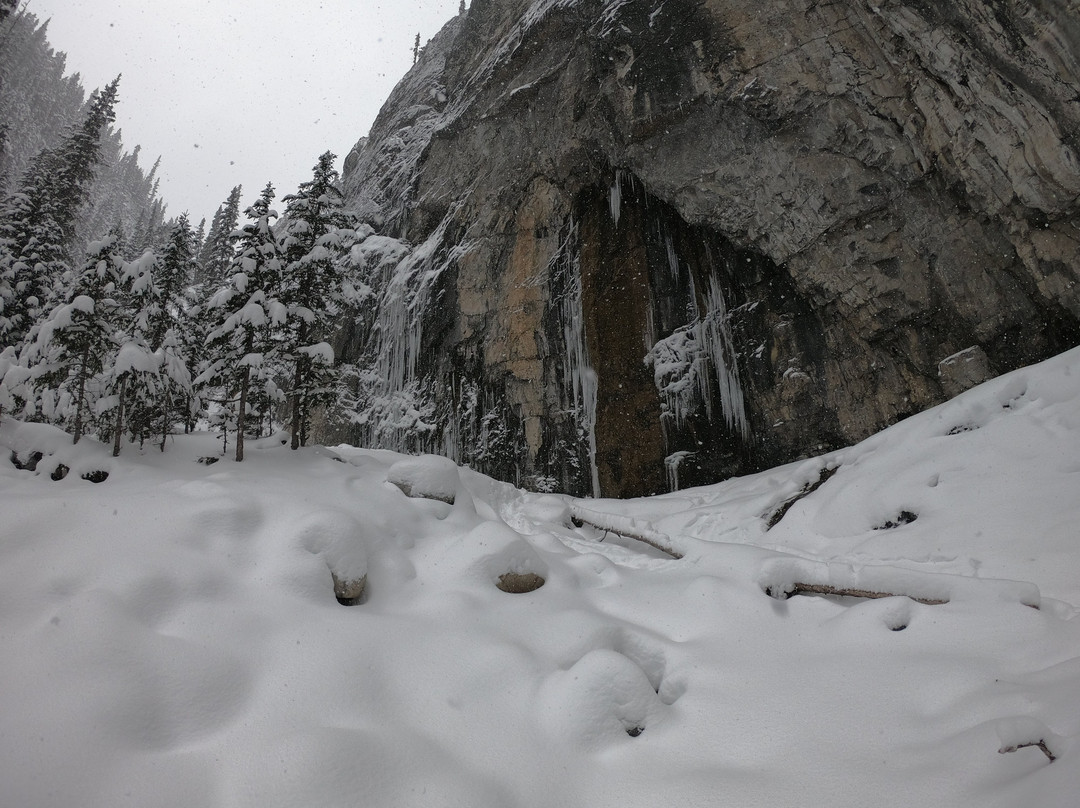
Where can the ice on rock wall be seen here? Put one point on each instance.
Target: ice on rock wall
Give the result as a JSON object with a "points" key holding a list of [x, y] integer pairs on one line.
{"points": [[682, 361], [719, 346], [673, 258], [579, 378], [395, 411]]}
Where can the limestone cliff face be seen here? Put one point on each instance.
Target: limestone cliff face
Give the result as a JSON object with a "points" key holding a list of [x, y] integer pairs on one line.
{"points": [[630, 244]]}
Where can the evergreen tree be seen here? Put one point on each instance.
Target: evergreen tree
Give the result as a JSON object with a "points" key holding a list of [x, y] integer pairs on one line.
{"points": [[78, 156], [32, 254], [198, 240], [37, 223], [166, 311], [121, 194], [217, 250], [7, 7], [317, 231], [72, 345], [13, 382], [195, 336], [132, 377], [251, 317], [150, 228], [37, 101], [4, 129], [175, 271], [150, 378]]}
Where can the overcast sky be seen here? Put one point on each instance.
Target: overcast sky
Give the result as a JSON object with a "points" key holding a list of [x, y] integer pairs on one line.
{"points": [[241, 91]]}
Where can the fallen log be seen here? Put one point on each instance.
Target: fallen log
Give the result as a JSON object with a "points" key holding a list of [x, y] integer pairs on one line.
{"points": [[624, 526], [844, 592]]}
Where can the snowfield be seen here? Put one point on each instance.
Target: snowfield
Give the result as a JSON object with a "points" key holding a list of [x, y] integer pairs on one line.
{"points": [[171, 637]]}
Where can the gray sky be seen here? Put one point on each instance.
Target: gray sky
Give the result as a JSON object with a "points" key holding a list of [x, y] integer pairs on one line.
{"points": [[241, 91]]}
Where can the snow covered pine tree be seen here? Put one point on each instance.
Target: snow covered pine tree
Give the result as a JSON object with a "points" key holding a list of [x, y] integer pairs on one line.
{"points": [[245, 344], [317, 236]]}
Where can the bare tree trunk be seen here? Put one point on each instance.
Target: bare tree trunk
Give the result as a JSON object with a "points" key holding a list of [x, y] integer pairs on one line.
{"points": [[85, 359], [119, 419], [297, 380], [165, 419], [241, 416]]}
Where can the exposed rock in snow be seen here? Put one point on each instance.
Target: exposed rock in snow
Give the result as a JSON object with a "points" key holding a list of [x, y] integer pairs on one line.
{"points": [[963, 370]]}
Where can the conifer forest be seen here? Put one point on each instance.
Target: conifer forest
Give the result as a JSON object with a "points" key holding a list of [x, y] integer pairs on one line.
{"points": [[119, 319]]}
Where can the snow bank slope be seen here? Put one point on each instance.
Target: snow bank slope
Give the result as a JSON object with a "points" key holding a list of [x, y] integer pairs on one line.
{"points": [[171, 637]]}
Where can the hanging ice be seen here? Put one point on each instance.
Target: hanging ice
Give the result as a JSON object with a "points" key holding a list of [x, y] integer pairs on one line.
{"points": [[671, 465], [719, 346], [681, 362], [396, 413], [579, 377], [672, 258], [615, 198]]}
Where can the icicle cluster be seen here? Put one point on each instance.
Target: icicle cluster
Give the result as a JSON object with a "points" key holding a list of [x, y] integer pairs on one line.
{"points": [[579, 378], [682, 360], [719, 346], [396, 411]]}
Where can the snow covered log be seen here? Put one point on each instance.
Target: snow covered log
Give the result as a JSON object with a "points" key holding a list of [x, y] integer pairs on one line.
{"points": [[626, 526], [783, 577]]}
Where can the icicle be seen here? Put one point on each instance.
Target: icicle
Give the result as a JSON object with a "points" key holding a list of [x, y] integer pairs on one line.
{"points": [[671, 465], [672, 258], [718, 343], [615, 197], [399, 414], [681, 361], [579, 379]]}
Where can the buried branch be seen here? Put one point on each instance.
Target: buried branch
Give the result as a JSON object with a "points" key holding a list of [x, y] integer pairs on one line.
{"points": [[846, 592], [824, 475], [627, 528], [1041, 744]]}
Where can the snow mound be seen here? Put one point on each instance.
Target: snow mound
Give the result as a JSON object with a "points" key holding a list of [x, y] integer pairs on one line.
{"points": [[601, 700], [426, 476]]}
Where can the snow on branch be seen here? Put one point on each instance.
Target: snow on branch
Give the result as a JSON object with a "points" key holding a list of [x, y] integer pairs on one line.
{"points": [[626, 526], [783, 577]]}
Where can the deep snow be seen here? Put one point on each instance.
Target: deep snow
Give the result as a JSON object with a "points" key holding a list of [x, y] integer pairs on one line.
{"points": [[170, 637]]}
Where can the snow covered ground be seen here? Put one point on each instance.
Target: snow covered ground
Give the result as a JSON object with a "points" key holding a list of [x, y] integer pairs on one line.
{"points": [[170, 636]]}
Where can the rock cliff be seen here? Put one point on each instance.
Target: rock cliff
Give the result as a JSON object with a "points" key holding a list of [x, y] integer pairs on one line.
{"points": [[628, 245]]}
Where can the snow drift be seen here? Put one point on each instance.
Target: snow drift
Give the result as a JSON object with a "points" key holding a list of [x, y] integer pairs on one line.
{"points": [[171, 636]]}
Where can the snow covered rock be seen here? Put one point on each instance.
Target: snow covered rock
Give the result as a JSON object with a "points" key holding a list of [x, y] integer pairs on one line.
{"points": [[600, 700], [348, 591], [963, 370], [343, 544], [505, 558], [427, 477]]}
